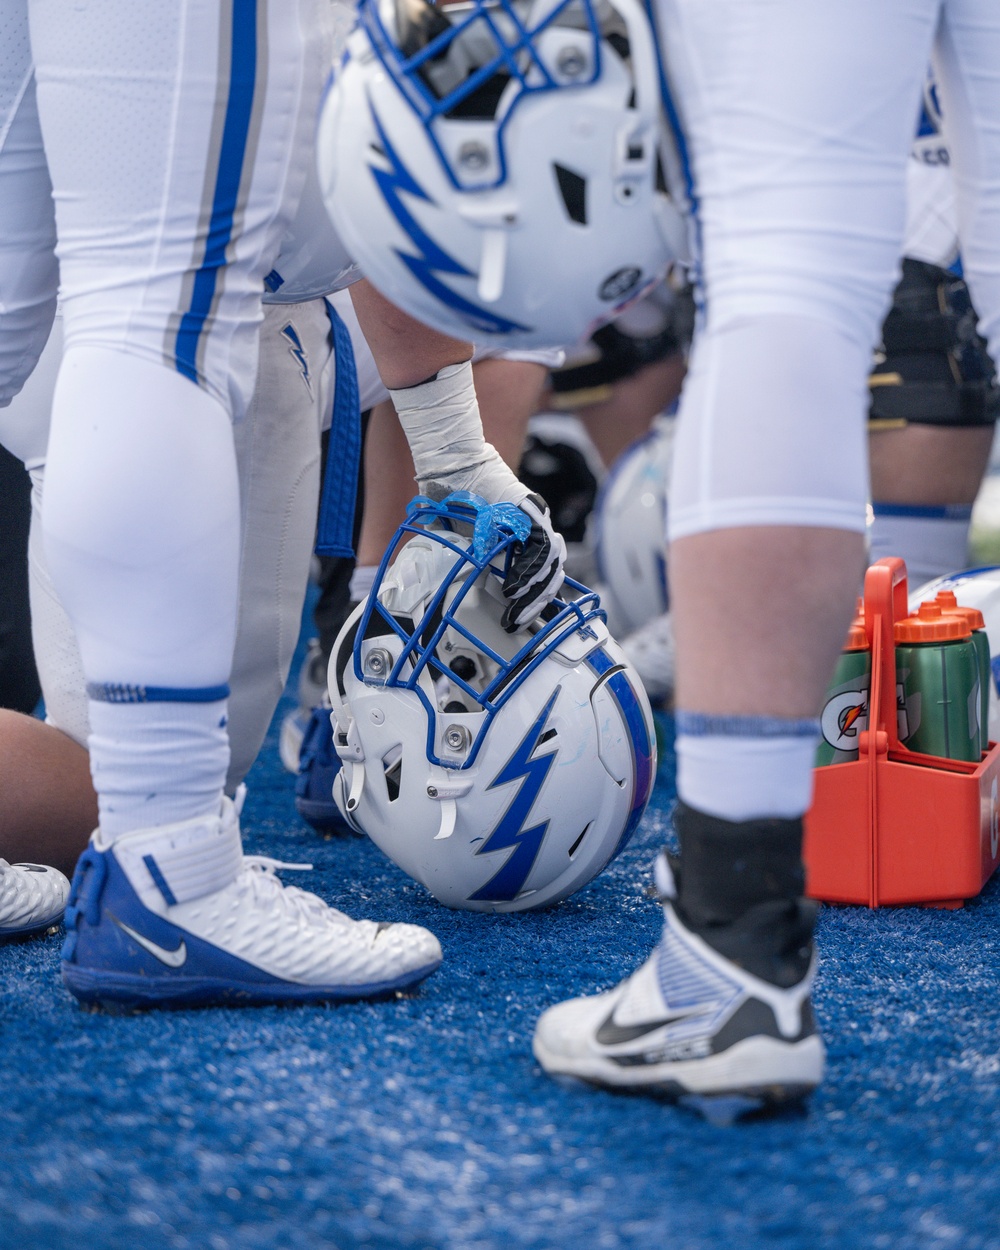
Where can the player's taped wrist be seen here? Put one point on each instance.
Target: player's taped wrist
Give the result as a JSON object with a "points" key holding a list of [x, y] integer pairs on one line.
{"points": [[443, 427], [441, 421]]}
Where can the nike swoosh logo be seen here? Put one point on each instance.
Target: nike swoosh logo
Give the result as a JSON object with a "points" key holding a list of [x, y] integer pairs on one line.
{"points": [[173, 959], [611, 1034]]}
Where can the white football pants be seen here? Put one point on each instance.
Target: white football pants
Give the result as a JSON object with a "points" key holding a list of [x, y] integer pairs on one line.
{"points": [[277, 455], [796, 118], [175, 134]]}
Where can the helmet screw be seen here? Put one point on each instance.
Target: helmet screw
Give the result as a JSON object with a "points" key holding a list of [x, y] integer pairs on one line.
{"points": [[473, 156], [456, 737], [378, 661], [571, 62], [432, 792]]}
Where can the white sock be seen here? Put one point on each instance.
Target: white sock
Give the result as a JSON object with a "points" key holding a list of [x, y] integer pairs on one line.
{"points": [[933, 540], [156, 763], [745, 767]]}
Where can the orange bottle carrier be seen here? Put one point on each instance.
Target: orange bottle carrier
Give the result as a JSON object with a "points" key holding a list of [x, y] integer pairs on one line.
{"points": [[896, 826]]}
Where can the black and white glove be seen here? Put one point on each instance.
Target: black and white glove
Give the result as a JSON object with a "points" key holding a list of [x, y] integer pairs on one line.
{"points": [[535, 572]]}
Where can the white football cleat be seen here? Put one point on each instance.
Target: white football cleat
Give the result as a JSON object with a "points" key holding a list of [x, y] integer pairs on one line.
{"points": [[32, 899], [689, 1024], [142, 931]]}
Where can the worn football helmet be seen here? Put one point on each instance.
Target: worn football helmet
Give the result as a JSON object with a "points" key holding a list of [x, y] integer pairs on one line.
{"points": [[494, 166], [630, 521], [503, 771]]}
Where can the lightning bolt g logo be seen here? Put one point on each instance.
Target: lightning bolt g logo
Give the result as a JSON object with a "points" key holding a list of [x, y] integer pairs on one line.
{"points": [[508, 882]]}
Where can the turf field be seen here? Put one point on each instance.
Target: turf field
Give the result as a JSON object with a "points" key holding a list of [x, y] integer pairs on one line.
{"points": [[425, 1123]]}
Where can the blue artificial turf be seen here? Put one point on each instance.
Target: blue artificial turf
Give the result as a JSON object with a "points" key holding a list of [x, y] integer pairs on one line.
{"points": [[425, 1123]]}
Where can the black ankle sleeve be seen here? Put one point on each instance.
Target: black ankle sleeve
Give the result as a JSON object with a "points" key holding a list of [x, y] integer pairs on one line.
{"points": [[728, 866]]}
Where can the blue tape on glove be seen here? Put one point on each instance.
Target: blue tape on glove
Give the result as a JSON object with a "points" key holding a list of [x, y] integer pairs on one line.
{"points": [[493, 523]]}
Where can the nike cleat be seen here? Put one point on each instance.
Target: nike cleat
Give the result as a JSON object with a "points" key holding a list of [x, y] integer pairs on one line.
{"points": [[143, 932], [32, 899], [691, 1026], [319, 764]]}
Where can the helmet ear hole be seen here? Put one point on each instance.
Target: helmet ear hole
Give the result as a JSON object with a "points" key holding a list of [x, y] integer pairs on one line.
{"points": [[392, 767], [576, 845], [573, 189]]}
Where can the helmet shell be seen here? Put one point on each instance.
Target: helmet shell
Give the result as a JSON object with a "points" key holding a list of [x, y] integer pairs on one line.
{"points": [[559, 224], [502, 804]]}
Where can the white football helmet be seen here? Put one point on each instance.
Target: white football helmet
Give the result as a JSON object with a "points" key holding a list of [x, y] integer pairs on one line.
{"points": [[630, 520], [503, 771], [975, 588], [495, 165]]}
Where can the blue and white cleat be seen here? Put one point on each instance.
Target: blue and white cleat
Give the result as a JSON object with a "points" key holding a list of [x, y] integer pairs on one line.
{"points": [[32, 899], [691, 1026], [319, 764], [177, 916]]}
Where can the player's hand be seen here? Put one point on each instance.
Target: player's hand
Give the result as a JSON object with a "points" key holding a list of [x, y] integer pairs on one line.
{"points": [[535, 572]]}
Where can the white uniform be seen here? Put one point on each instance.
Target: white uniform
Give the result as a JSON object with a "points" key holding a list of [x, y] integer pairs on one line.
{"points": [[176, 135], [796, 121], [277, 454]]}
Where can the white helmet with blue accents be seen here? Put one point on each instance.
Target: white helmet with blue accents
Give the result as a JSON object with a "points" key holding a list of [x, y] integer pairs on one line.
{"points": [[503, 771], [494, 165]]}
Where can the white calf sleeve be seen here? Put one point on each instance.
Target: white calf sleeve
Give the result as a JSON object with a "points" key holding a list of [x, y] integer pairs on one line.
{"points": [[933, 540], [772, 428], [141, 528], [141, 521]]}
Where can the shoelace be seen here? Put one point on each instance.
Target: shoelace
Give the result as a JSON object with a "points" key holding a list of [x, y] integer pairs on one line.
{"points": [[265, 884]]}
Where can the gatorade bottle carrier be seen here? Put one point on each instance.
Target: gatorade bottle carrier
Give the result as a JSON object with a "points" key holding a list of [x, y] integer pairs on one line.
{"points": [[896, 826]]}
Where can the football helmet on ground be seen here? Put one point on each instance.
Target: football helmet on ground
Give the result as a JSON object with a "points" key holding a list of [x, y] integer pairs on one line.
{"points": [[503, 771], [471, 153]]}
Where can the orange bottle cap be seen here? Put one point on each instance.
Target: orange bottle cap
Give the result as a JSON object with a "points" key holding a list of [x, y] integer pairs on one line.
{"points": [[930, 624], [949, 603], [857, 638]]}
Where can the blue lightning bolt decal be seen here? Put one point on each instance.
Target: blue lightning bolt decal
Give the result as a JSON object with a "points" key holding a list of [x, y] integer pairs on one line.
{"points": [[297, 351], [430, 257], [508, 882]]}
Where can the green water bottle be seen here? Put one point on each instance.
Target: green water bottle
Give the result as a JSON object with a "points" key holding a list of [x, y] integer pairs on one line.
{"points": [[845, 705], [937, 666], [949, 604]]}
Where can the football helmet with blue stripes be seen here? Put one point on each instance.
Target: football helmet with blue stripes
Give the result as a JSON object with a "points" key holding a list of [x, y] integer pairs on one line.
{"points": [[503, 771], [494, 166]]}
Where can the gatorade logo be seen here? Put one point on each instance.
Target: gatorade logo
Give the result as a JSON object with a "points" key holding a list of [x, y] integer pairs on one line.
{"points": [[844, 717]]}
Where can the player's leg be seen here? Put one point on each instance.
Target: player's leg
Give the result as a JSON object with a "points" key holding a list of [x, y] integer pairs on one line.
{"points": [[277, 449], [797, 164], [966, 59], [29, 274], [48, 807], [172, 159]]}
